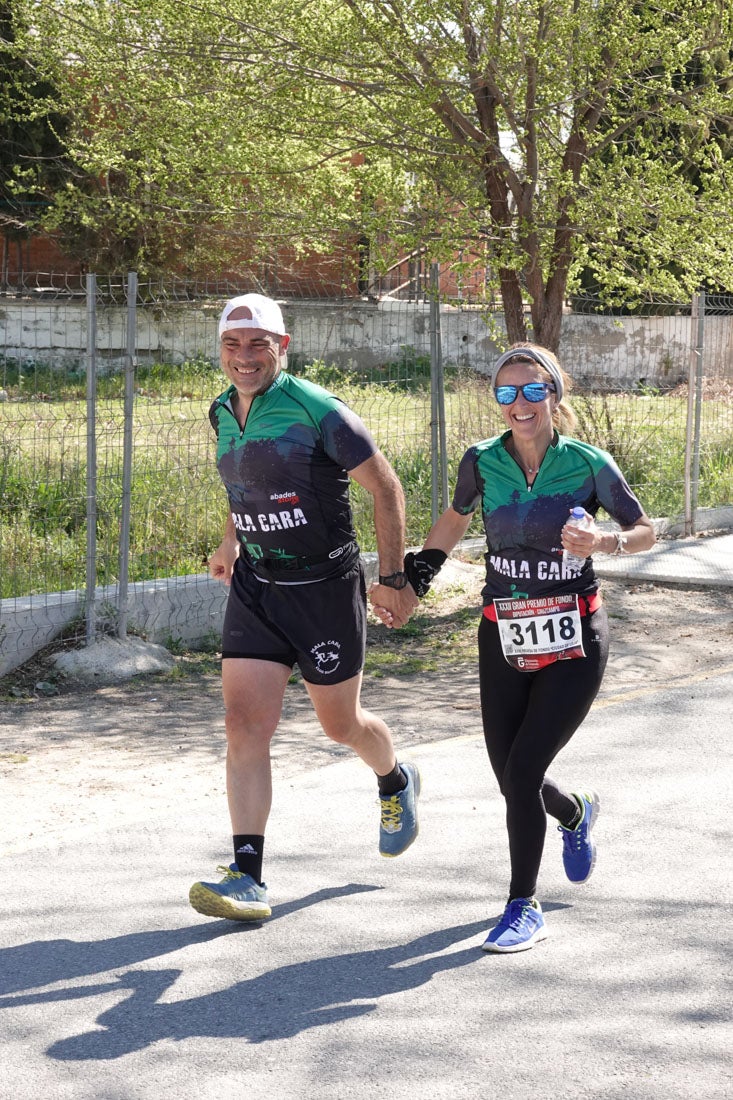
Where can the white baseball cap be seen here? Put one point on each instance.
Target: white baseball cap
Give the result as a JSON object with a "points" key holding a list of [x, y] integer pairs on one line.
{"points": [[253, 311]]}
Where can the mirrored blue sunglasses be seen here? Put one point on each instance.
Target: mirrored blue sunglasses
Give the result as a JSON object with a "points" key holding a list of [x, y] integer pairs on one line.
{"points": [[532, 391]]}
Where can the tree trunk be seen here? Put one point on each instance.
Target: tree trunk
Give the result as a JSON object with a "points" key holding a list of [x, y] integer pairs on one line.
{"points": [[511, 298], [547, 328], [547, 313]]}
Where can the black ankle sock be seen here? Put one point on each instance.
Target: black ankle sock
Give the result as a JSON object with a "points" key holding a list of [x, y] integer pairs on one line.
{"points": [[577, 816], [248, 850], [394, 781]]}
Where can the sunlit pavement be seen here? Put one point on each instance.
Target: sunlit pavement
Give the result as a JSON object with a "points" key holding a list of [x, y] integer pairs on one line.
{"points": [[369, 980]]}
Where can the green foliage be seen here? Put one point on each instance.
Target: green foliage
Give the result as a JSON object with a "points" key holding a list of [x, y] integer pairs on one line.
{"points": [[328, 375], [185, 153], [410, 372], [178, 506], [535, 139], [28, 381], [32, 130]]}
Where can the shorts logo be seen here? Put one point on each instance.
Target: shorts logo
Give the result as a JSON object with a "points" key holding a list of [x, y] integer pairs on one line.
{"points": [[326, 656]]}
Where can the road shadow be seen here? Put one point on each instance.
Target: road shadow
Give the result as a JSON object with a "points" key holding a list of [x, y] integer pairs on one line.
{"points": [[44, 962], [276, 1005]]}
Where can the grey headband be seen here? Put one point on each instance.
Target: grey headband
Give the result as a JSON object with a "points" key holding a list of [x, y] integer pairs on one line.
{"points": [[538, 357]]}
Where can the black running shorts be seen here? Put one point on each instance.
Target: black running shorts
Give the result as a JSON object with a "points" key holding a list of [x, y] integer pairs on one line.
{"points": [[321, 626]]}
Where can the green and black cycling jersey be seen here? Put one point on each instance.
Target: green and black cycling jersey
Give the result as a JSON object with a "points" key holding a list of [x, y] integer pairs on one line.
{"points": [[523, 524], [285, 472]]}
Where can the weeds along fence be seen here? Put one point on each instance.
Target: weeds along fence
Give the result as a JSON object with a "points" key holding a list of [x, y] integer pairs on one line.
{"points": [[107, 476]]}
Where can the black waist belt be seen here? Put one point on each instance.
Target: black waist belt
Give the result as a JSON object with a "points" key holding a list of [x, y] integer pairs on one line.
{"points": [[298, 561]]}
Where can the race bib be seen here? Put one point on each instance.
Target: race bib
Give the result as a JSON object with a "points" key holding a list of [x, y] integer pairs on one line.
{"points": [[534, 633]]}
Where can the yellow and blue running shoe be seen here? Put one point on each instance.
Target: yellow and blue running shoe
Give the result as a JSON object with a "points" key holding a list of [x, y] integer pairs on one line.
{"points": [[236, 897], [398, 825]]}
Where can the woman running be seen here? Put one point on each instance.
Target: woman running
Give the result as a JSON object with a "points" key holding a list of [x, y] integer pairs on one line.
{"points": [[543, 637]]}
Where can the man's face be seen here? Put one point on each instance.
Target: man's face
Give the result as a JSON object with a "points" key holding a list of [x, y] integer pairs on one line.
{"points": [[250, 358]]}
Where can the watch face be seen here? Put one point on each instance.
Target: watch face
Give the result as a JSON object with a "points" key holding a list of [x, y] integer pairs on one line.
{"points": [[394, 580]]}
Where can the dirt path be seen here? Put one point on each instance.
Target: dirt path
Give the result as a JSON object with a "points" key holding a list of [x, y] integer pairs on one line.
{"points": [[120, 754]]}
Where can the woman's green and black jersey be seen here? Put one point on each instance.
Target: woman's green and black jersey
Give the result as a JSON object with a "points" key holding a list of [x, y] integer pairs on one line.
{"points": [[285, 473], [523, 524]]}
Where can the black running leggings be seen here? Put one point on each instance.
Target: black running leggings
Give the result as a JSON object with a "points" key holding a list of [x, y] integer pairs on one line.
{"points": [[528, 717]]}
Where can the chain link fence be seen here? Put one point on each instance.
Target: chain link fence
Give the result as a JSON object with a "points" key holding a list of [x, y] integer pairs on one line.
{"points": [[110, 502]]}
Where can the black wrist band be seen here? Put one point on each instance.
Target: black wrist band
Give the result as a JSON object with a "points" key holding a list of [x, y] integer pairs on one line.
{"points": [[394, 580], [422, 567]]}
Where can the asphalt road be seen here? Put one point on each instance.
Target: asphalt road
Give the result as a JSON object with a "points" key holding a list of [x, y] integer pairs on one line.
{"points": [[369, 980]]}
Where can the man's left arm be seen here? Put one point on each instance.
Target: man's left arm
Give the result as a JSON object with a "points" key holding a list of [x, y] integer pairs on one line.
{"points": [[379, 479]]}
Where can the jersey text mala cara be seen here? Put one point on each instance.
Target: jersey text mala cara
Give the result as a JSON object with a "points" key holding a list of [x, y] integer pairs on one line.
{"points": [[523, 524], [285, 473]]}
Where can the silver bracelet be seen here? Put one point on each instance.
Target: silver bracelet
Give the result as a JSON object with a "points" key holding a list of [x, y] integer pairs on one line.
{"points": [[620, 544]]}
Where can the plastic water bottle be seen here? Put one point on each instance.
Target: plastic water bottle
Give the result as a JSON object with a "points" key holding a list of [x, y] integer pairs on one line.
{"points": [[578, 518]]}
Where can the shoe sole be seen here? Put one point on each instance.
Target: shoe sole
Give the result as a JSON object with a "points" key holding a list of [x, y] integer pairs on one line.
{"points": [[497, 949], [214, 905], [416, 780], [596, 804]]}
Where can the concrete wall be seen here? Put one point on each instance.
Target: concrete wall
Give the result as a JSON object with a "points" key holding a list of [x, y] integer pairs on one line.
{"points": [[365, 334], [186, 609]]}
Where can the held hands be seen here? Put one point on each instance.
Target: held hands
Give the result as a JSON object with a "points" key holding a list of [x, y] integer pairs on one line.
{"points": [[421, 569], [393, 606]]}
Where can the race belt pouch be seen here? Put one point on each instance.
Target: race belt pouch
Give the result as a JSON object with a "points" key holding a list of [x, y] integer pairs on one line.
{"points": [[295, 569]]}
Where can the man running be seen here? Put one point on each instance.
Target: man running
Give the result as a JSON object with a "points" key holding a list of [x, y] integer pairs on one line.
{"points": [[286, 449]]}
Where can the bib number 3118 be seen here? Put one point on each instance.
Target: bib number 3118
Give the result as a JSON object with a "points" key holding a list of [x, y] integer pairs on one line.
{"points": [[534, 633]]}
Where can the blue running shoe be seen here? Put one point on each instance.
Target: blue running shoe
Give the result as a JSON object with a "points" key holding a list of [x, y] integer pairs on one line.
{"points": [[578, 849], [522, 925], [398, 823], [236, 897]]}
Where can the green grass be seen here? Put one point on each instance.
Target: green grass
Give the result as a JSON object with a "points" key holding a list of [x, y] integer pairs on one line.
{"points": [[177, 501]]}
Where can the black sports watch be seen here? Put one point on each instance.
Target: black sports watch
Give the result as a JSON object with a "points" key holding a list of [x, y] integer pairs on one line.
{"points": [[394, 580]]}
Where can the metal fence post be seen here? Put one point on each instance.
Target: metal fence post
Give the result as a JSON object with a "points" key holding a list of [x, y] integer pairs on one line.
{"points": [[694, 412], [91, 402], [126, 503], [700, 363], [439, 462]]}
